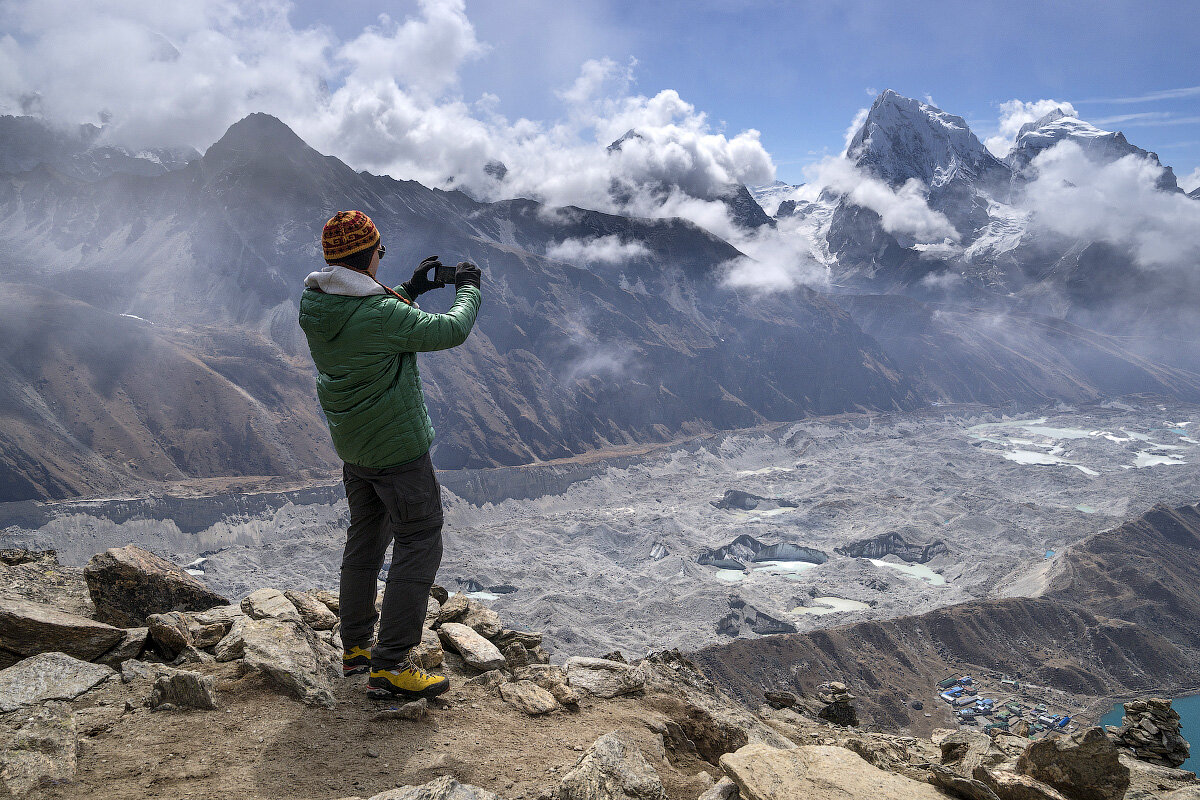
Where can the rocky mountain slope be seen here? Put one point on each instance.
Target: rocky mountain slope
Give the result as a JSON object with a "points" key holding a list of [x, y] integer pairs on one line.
{"points": [[1116, 615], [211, 699]]}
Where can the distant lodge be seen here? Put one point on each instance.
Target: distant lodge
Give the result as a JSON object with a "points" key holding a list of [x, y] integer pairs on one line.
{"points": [[962, 696]]}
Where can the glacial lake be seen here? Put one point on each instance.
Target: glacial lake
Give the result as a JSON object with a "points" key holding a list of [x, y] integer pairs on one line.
{"points": [[1189, 718]]}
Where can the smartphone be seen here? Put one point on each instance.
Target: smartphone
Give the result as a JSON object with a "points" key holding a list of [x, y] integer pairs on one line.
{"points": [[444, 274]]}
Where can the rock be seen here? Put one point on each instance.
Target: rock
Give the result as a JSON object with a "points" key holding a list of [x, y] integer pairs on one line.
{"points": [[28, 628], [184, 689], [613, 768], [544, 675], [454, 608], [128, 584], [780, 699], [1010, 786], [40, 751], [133, 669], [958, 785], [565, 694], [529, 697], [526, 639], [269, 604], [724, 789], [482, 620], [515, 655], [223, 615], [488, 680], [169, 633], [615, 655], [1150, 730], [839, 708], [416, 710], [327, 598], [428, 654], [539, 654], [289, 655], [1020, 728], [439, 593], [1083, 766], [205, 636], [604, 678], [48, 676], [966, 750], [232, 646], [443, 788], [476, 651], [432, 609], [816, 772], [130, 647], [313, 612]]}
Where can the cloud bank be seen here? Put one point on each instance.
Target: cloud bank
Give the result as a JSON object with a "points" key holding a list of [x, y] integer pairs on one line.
{"points": [[386, 100], [600, 250]]}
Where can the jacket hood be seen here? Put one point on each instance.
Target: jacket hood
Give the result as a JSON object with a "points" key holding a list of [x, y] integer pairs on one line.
{"points": [[325, 312], [332, 279]]}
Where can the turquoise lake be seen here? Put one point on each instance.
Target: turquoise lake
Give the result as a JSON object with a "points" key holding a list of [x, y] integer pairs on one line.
{"points": [[1189, 717]]}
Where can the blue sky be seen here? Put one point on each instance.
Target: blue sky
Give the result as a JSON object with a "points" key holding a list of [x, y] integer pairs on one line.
{"points": [[798, 71]]}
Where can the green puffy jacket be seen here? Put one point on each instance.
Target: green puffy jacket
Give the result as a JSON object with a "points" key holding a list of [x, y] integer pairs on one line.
{"points": [[365, 350]]}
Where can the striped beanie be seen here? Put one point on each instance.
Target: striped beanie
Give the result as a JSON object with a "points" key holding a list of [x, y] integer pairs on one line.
{"points": [[349, 232]]}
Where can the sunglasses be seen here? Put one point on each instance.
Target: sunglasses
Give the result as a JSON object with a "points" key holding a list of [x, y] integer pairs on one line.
{"points": [[382, 251]]}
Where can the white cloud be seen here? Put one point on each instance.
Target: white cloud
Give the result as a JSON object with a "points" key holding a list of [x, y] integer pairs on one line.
{"points": [[1190, 182], [1118, 203], [902, 211], [386, 100], [601, 250], [1014, 114], [860, 119], [777, 259]]}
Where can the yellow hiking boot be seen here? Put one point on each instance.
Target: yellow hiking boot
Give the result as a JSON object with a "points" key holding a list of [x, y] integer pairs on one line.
{"points": [[356, 661], [405, 680]]}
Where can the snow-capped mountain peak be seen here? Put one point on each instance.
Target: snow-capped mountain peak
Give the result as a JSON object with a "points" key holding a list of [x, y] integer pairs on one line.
{"points": [[903, 138]]}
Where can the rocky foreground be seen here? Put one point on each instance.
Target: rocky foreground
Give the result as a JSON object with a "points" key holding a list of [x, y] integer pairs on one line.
{"points": [[130, 678]]}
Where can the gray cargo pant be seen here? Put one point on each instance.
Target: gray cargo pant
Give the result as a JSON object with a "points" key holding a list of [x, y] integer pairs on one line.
{"points": [[401, 506]]}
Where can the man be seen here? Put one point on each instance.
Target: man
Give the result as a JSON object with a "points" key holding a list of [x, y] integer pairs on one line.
{"points": [[364, 338]]}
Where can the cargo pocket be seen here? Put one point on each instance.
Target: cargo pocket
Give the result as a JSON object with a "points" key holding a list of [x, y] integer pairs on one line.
{"points": [[419, 496]]}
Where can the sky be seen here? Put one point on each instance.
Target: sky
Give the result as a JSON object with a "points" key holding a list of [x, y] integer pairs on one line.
{"points": [[795, 72], [799, 71]]}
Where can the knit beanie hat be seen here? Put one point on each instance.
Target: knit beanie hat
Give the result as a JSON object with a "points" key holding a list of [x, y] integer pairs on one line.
{"points": [[347, 233]]}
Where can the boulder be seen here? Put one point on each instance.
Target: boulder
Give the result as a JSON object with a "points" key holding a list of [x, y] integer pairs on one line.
{"points": [[1009, 785], [816, 772], [1150, 730], [289, 656], [48, 676], [515, 654], [482, 619], [439, 593], [959, 785], [613, 768], [529, 697], [604, 678], [724, 789], [416, 710], [780, 699], [269, 604], [205, 636], [221, 615], [488, 680], [1083, 766], [428, 654], [475, 650], [443, 788], [184, 689], [526, 639], [232, 646], [39, 750], [128, 584], [169, 633], [130, 647], [565, 694], [313, 612], [453, 608], [28, 628], [965, 750], [544, 675], [329, 599]]}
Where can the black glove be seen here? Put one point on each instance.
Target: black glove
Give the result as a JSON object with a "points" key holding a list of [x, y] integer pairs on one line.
{"points": [[419, 283], [466, 274]]}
